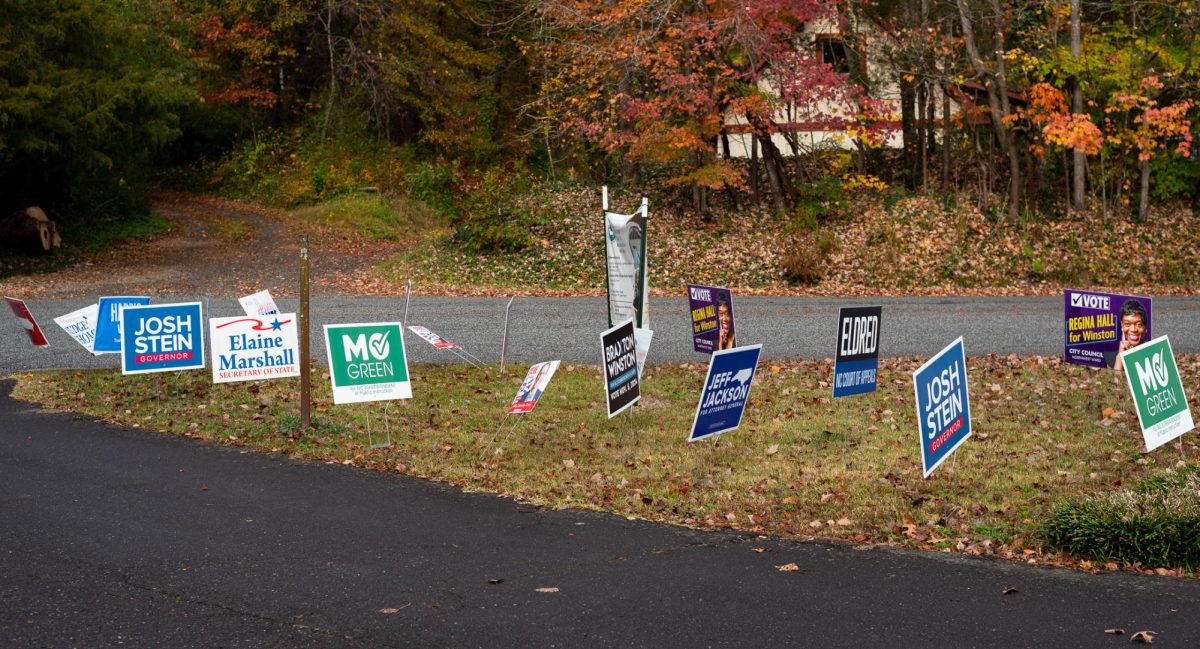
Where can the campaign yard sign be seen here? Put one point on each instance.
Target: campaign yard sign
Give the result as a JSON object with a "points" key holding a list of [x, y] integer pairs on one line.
{"points": [[712, 318], [943, 404], [432, 338], [622, 382], [108, 321], [1097, 327], [857, 359], [726, 390], [250, 348], [367, 362], [641, 345], [536, 380], [81, 325], [1157, 391], [625, 251], [162, 338], [260, 303], [27, 322]]}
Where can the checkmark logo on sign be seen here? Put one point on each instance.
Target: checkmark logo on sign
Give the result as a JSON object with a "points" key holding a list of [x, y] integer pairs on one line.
{"points": [[379, 345]]}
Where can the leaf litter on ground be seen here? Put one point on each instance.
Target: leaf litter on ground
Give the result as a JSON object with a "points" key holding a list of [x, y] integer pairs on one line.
{"points": [[846, 470]]}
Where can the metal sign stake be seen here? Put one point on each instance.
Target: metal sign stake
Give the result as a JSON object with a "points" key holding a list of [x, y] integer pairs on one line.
{"points": [[305, 349], [504, 340], [407, 297]]}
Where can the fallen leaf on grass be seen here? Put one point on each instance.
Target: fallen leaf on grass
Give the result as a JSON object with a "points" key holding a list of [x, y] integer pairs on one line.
{"points": [[1108, 412], [547, 590], [772, 449], [788, 567], [1144, 637]]}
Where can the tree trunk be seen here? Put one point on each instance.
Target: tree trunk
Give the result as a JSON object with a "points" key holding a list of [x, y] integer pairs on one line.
{"points": [[946, 110], [755, 186], [30, 229], [922, 126], [908, 131], [1144, 194], [773, 160], [997, 90], [945, 138], [774, 173], [332, 70], [1080, 170], [733, 195], [925, 106]]}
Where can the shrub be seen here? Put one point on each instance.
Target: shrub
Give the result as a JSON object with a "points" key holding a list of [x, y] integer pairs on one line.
{"points": [[1155, 524], [433, 183], [806, 263], [487, 220], [818, 202]]}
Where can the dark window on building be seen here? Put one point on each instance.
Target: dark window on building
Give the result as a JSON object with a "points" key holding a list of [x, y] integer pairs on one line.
{"points": [[834, 52]]}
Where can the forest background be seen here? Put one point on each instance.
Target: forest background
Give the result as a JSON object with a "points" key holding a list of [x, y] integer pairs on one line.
{"points": [[1055, 138]]}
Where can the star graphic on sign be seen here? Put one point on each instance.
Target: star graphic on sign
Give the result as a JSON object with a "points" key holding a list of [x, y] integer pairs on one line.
{"points": [[275, 326]]}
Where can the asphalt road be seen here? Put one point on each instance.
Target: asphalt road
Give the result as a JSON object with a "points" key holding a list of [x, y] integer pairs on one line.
{"points": [[122, 538], [569, 328]]}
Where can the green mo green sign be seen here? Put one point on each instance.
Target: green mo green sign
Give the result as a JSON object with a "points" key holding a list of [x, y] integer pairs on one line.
{"points": [[367, 362], [1157, 392]]}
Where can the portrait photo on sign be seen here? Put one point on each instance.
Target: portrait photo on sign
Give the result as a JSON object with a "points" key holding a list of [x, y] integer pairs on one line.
{"points": [[1099, 327], [711, 309], [532, 387]]}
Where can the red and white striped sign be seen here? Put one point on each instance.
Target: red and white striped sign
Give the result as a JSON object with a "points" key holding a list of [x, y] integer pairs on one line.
{"points": [[27, 321]]}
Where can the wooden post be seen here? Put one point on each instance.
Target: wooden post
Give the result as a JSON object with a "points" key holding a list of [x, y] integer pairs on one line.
{"points": [[305, 348]]}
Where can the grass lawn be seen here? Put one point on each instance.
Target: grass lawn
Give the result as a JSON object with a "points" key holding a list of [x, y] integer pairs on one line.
{"points": [[801, 465]]}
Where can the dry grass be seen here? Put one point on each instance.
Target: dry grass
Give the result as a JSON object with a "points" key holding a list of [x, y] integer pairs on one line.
{"points": [[884, 244], [801, 465]]}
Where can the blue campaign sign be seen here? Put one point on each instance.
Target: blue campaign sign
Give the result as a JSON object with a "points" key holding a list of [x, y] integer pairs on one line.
{"points": [[726, 390], [943, 405], [857, 359], [162, 338], [108, 321]]}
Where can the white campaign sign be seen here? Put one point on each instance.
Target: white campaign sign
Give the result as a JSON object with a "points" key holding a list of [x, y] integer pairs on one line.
{"points": [[641, 339], [81, 325], [251, 348], [260, 303], [625, 245]]}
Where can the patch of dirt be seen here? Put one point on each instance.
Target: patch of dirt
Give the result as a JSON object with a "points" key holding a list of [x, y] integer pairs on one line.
{"points": [[217, 247]]}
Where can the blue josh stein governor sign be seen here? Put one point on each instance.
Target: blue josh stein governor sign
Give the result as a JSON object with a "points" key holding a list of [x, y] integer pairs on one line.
{"points": [[162, 338], [943, 405]]}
